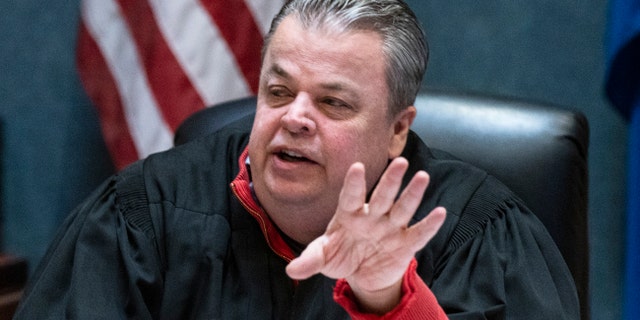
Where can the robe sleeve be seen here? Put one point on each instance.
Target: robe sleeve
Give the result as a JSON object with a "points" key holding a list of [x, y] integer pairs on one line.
{"points": [[417, 301], [501, 263], [103, 263]]}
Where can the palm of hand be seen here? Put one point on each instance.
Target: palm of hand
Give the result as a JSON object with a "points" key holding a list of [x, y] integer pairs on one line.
{"points": [[370, 244]]}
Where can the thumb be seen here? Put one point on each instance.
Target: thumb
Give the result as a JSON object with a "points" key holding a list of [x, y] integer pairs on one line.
{"points": [[310, 261]]}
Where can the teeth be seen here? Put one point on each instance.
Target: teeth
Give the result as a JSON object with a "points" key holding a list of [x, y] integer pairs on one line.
{"points": [[292, 154]]}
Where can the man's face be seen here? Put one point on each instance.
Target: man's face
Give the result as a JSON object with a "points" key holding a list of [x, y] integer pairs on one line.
{"points": [[322, 105]]}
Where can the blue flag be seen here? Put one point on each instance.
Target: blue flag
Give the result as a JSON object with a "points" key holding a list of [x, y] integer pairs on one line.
{"points": [[623, 90]]}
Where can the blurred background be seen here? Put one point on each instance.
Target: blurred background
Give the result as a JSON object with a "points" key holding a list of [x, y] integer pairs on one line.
{"points": [[53, 153]]}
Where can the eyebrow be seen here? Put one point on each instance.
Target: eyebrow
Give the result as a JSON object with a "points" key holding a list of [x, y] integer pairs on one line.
{"points": [[277, 71]]}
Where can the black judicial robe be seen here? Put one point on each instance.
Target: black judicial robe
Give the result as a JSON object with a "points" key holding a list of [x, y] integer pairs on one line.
{"points": [[167, 239]]}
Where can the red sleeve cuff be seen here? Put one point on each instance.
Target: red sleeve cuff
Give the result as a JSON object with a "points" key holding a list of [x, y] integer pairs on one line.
{"points": [[418, 302]]}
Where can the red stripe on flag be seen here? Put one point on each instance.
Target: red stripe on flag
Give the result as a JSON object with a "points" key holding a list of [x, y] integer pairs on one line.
{"points": [[171, 87], [100, 86], [238, 27]]}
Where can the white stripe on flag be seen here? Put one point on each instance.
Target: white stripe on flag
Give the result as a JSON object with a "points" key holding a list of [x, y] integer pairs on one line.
{"points": [[200, 49], [107, 27], [263, 12]]}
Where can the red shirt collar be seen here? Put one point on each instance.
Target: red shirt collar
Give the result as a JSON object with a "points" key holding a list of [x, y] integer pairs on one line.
{"points": [[241, 187]]}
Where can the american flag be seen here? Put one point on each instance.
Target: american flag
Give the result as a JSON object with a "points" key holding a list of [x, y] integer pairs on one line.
{"points": [[148, 64]]}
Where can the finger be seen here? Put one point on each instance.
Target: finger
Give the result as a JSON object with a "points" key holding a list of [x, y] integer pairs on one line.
{"points": [[310, 261], [388, 187], [422, 232], [354, 190], [410, 199]]}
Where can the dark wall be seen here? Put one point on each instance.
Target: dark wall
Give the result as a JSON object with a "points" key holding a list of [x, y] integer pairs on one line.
{"points": [[553, 51], [53, 152]]}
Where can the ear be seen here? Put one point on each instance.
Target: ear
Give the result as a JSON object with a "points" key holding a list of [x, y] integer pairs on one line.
{"points": [[401, 124]]}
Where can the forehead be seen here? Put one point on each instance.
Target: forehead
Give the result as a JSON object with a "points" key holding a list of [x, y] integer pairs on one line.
{"points": [[330, 42], [355, 55]]}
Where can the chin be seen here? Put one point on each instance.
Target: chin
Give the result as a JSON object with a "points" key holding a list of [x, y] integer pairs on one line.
{"points": [[293, 193]]}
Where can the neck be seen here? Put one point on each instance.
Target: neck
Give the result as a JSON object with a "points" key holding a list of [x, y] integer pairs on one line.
{"points": [[299, 222]]}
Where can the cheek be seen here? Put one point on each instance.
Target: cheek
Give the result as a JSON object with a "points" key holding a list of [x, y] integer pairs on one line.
{"points": [[264, 124], [370, 147], [340, 151], [347, 151], [259, 139], [346, 147], [340, 143]]}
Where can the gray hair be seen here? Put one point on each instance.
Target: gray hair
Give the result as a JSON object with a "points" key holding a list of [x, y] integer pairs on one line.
{"points": [[404, 44]]}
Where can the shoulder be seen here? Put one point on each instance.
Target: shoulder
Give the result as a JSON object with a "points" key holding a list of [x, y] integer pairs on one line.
{"points": [[199, 154], [453, 183], [456, 185], [185, 176], [472, 197]]}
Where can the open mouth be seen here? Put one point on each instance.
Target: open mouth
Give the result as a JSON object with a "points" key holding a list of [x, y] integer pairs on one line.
{"points": [[291, 156]]}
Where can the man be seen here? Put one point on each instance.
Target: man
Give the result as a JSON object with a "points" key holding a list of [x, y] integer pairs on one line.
{"points": [[329, 184]]}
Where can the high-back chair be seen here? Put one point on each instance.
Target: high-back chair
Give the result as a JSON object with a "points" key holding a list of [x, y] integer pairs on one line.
{"points": [[537, 150]]}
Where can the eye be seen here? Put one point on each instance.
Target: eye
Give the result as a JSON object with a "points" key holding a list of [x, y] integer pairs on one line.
{"points": [[336, 103], [278, 95], [279, 91], [336, 108]]}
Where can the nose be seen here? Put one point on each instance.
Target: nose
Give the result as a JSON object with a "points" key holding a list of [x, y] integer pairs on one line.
{"points": [[298, 118]]}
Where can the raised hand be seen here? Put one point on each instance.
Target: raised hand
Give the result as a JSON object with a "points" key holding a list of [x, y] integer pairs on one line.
{"points": [[370, 244]]}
